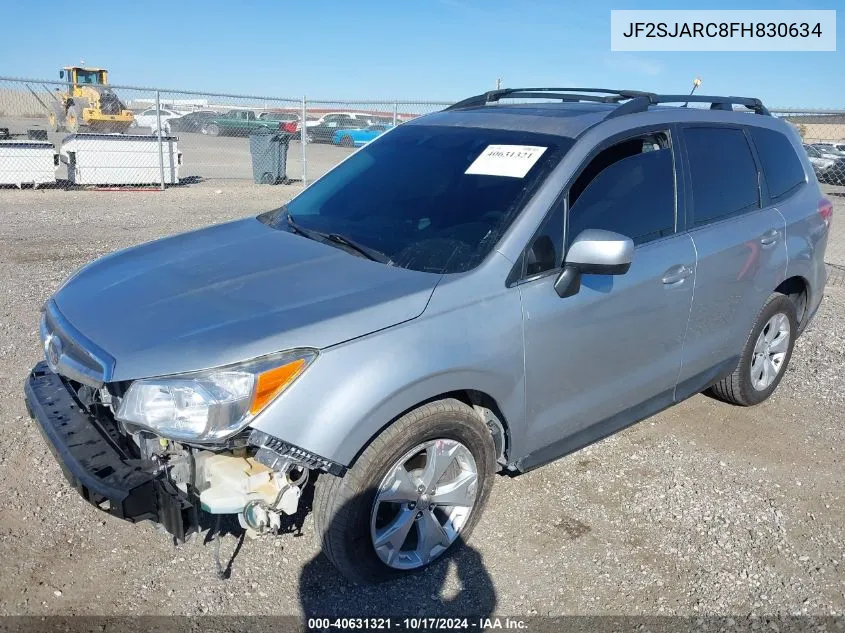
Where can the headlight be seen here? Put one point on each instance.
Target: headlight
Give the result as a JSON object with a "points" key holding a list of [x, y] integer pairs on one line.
{"points": [[212, 404]]}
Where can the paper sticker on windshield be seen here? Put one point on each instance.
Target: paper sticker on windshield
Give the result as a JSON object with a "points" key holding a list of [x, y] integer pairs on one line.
{"points": [[506, 160]]}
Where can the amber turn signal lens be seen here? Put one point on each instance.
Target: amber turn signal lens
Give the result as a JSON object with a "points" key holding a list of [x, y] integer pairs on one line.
{"points": [[272, 382]]}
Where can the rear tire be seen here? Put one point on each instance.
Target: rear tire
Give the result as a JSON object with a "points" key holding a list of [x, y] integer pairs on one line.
{"points": [[765, 356], [212, 129], [347, 141], [345, 509]]}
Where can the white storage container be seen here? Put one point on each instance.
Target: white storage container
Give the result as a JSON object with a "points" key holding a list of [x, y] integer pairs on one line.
{"points": [[120, 159], [24, 162]]}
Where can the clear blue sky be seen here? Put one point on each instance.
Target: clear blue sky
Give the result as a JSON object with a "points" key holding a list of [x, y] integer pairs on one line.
{"points": [[435, 49]]}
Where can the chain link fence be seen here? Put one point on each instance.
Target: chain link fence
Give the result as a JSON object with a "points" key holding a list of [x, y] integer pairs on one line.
{"points": [[161, 137], [86, 134], [823, 133]]}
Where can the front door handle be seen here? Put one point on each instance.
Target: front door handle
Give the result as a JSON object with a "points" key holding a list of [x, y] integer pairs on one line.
{"points": [[769, 238], [676, 274]]}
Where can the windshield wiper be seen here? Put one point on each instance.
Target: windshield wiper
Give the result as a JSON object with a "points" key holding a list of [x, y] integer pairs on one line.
{"points": [[336, 238], [311, 234], [366, 251]]}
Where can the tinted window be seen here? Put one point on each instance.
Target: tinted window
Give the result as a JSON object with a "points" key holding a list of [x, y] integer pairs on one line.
{"points": [[407, 194], [724, 175], [634, 196], [546, 252], [781, 166]]}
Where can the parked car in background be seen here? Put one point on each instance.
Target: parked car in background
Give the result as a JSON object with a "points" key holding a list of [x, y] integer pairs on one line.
{"points": [[191, 122], [829, 168], [279, 116], [292, 120], [323, 130], [149, 118], [356, 137], [243, 123], [338, 117], [830, 150]]}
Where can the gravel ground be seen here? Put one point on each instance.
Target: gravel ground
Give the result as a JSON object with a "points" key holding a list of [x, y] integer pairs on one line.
{"points": [[703, 509]]}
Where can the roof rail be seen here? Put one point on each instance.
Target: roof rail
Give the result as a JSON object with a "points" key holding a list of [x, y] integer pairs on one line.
{"points": [[641, 104], [564, 94], [634, 100]]}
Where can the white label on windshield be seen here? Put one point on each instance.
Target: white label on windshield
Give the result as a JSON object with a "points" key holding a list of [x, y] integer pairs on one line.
{"points": [[506, 160]]}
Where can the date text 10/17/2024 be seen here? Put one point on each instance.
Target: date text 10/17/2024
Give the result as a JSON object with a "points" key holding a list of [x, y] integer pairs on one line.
{"points": [[417, 623]]}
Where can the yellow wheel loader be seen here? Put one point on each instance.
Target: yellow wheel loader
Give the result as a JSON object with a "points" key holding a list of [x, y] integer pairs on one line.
{"points": [[88, 101]]}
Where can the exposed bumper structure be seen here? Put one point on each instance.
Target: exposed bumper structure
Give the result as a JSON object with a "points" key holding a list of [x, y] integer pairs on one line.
{"points": [[94, 463]]}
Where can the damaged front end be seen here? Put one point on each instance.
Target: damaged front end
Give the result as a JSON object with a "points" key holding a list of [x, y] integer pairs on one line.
{"points": [[138, 475]]}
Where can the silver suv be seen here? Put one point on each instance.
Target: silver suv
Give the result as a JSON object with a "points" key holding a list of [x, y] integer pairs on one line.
{"points": [[482, 290]]}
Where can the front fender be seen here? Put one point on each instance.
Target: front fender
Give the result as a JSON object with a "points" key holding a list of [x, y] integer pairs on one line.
{"points": [[354, 390]]}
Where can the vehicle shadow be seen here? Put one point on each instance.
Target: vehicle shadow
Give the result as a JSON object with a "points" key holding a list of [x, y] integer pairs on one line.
{"points": [[432, 592]]}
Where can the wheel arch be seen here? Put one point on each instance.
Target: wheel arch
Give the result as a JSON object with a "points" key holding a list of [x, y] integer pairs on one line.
{"points": [[485, 407], [797, 288]]}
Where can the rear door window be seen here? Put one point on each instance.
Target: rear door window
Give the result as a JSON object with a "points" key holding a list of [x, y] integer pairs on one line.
{"points": [[723, 171], [781, 166]]}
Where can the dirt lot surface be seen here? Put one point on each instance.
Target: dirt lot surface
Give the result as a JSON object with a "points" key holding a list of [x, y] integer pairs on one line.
{"points": [[703, 509]]}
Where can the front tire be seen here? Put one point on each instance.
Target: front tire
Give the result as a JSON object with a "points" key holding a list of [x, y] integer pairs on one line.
{"points": [[213, 129], [347, 141], [765, 356], [416, 491]]}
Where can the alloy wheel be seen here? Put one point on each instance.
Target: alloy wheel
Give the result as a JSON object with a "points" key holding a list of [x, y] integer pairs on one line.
{"points": [[423, 502], [770, 351]]}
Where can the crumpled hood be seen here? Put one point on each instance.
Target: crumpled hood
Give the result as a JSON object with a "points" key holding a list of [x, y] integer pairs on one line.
{"points": [[232, 292]]}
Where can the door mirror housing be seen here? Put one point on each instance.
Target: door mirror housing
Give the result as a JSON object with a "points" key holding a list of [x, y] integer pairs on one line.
{"points": [[594, 252], [61, 74]]}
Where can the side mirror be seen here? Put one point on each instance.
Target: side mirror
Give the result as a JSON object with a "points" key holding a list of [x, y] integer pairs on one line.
{"points": [[61, 74], [594, 252]]}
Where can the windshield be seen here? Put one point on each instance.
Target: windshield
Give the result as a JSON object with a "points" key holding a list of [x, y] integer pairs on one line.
{"points": [[88, 77], [434, 199]]}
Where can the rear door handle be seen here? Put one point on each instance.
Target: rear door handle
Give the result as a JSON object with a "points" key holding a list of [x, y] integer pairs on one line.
{"points": [[770, 237], [676, 274]]}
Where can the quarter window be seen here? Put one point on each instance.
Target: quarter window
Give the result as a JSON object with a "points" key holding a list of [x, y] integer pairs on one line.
{"points": [[546, 252], [781, 166], [724, 175]]}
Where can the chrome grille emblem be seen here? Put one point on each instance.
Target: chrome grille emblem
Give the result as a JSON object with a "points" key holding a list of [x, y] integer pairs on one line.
{"points": [[53, 351]]}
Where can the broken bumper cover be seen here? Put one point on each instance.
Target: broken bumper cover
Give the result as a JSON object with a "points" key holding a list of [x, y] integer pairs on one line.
{"points": [[95, 465]]}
